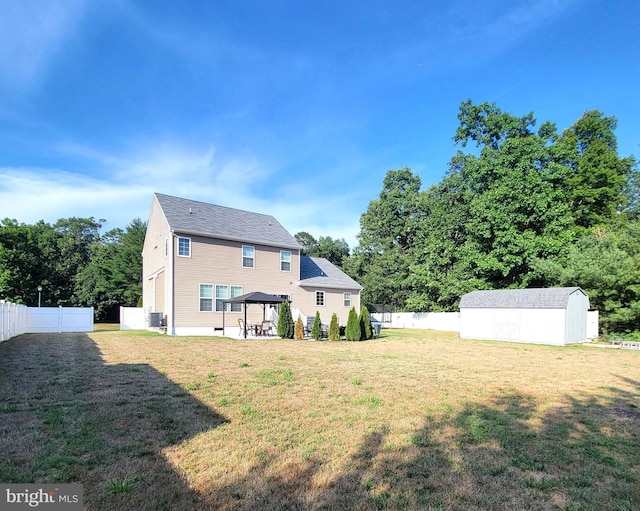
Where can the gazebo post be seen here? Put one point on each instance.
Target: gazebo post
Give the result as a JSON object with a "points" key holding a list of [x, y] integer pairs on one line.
{"points": [[245, 320]]}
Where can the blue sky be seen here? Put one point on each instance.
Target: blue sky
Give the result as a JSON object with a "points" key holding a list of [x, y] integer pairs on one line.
{"points": [[294, 108]]}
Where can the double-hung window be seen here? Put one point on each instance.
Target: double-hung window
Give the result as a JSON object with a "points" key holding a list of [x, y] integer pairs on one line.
{"points": [[222, 293], [248, 256], [285, 260], [184, 247], [235, 292], [206, 298], [319, 298], [346, 299]]}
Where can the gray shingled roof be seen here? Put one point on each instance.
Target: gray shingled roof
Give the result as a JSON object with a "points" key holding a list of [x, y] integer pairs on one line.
{"points": [[318, 271], [533, 298], [187, 216]]}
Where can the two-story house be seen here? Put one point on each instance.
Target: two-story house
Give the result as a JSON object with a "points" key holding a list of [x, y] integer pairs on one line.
{"points": [[198, 255]]}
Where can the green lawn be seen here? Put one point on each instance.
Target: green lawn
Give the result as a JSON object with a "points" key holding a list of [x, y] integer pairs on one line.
{"points": [[410, 420]]}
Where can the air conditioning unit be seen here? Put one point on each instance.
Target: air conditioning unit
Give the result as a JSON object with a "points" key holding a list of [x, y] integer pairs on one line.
{"points": [[155, 319]]}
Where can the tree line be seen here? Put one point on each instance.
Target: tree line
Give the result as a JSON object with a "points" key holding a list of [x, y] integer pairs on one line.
{"points": [[525, 207], [519, 206], [73, 263]]}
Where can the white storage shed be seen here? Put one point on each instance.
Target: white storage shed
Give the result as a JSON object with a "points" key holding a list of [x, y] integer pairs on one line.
{"points": [[555, 316]]}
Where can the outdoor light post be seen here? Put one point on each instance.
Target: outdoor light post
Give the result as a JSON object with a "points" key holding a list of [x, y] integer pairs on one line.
{"points": [[39, 294]]}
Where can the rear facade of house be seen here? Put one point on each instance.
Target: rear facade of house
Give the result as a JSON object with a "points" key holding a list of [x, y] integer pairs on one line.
{"points": [[196, 255]]}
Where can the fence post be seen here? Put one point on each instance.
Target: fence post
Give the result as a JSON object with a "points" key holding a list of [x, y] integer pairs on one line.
{"points": [[1, 320]]}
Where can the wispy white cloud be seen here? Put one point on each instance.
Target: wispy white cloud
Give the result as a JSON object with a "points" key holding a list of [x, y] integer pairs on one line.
{"points": [[522, 19], [122, 187], [30, 195], [31, 33]]}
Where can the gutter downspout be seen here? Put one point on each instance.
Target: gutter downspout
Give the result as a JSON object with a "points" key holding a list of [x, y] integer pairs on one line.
{"points": [[172, 307]]}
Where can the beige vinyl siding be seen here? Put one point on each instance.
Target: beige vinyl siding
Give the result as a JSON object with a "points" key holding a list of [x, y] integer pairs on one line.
{"points": [[219, 262], [304, 298], [154, 261], [159, 293]]}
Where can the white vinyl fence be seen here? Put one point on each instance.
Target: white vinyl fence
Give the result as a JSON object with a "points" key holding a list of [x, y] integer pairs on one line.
{"points": [[13, 320], [445, 321], [59, 319], [19, 319], [132, 318], [450, 321]]}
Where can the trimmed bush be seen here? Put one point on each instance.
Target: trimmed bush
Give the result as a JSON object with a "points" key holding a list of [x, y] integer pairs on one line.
{"points": [[299, 331], [334, 328], [285, 322], [352, 332], [366, 331], [316, 329]]}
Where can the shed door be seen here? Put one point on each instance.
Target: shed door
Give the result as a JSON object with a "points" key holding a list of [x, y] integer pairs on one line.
{"points": [[506, 324]]}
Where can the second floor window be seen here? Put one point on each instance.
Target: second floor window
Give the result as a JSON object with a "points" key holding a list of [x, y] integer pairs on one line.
{"points": [[184, 247], [285, 260], [319, 298], [248, 256], [346, 299]]}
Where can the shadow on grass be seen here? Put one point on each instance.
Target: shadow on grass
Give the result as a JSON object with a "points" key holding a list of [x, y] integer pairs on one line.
{"points": [[501, 455], [68, 417]]}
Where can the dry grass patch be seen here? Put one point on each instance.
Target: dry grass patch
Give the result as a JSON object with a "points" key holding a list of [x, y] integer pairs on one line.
{"points": [[411, 420]]}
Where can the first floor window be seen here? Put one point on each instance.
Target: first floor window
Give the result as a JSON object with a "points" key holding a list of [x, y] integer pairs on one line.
{"points": [[235, 292], [222, 293], [184, 247], [206, 297], [319, 298], [285, 260], [346, 298]]}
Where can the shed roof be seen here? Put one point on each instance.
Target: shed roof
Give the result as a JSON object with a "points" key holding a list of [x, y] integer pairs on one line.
{"points": [[188, 216], [320, 272], [532, 298]]}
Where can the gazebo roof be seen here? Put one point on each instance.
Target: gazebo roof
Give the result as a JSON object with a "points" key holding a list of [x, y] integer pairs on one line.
{"points": [[256, 297]]}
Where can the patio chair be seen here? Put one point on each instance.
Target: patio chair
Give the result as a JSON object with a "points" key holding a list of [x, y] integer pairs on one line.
{"points": [[267, 327], [241, 325]]}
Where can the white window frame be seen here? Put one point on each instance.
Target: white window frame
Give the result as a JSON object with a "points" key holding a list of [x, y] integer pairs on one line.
{"points": [[323, 300], [211, 298], [346, 299], [286, 297], [252, 257], [220, 298], [235, 291], [188, 246], [283, 261]]}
